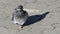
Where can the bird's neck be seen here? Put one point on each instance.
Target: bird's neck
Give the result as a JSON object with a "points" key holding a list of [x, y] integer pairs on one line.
{"points": [[21, 11]]}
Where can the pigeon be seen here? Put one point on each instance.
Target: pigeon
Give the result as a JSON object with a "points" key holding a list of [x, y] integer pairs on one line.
{"points": [[19, 16]]}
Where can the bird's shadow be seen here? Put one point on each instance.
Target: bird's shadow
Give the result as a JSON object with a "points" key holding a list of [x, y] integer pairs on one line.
{"points": [[34, 19]]}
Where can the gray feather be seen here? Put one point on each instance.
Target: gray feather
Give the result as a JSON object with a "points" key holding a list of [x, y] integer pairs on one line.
{"points": [[19, 15]]}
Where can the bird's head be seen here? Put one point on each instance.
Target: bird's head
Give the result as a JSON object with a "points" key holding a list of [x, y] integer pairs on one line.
{"points": [[19, 8]]}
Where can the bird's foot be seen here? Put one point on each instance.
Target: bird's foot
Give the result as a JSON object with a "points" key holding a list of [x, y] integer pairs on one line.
{"points": [[20, 28]]}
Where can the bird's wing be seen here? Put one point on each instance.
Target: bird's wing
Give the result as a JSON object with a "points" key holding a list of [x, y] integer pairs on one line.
{"points": [[12, 16]]}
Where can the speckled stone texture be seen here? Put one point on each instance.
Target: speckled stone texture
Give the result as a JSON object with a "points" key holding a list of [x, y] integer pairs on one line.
{"points": [[41, 22]]}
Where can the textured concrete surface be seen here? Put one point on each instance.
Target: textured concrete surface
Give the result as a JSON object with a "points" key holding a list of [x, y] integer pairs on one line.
{"points": [[50, 24]]}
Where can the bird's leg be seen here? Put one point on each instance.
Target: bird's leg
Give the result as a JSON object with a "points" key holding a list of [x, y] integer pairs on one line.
{"points": [[20, 27]]}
